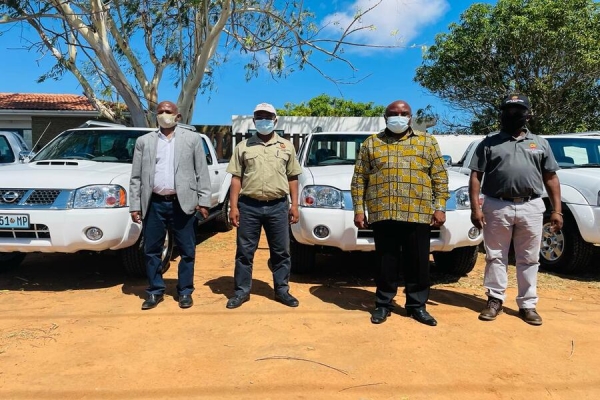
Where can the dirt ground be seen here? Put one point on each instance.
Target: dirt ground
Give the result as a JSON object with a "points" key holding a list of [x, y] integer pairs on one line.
{"points": [[71, 327]]}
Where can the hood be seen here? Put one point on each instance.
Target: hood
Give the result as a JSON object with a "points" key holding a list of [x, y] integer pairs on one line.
{"points": [[340, 176], [585, 180], [62, 174]]}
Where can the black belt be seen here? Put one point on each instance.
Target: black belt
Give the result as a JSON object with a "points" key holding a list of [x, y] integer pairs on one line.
{"points": [[519, 199], [166, 197], [253, 201]]}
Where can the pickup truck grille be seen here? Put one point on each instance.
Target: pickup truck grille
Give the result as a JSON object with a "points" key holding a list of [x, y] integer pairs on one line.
{"points": [[7, 196], [42, 197], [37, 231], [28, 196]]}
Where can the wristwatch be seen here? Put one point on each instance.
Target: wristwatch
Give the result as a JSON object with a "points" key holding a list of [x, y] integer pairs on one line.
{"points": [[441, 209]]}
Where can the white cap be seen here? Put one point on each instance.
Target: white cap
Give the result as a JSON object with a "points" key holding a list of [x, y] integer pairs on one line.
{"points": [[265, 107]]}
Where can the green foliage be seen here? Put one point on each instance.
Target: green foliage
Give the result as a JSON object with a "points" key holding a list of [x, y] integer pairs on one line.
{"points": [[327, 106], [547, 49]]}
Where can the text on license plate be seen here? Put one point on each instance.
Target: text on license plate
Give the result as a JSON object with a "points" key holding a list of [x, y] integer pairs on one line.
{"points": [[16, 221]]}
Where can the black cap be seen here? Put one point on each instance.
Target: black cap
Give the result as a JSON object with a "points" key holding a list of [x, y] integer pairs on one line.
{"points": [[515, 99]]}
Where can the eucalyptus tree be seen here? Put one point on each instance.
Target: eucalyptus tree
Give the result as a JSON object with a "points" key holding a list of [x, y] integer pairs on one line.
{"points": [[125, 48]]}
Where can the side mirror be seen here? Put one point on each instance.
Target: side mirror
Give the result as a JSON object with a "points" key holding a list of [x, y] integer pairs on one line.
{"points": [[25, 156], [447, 160]]}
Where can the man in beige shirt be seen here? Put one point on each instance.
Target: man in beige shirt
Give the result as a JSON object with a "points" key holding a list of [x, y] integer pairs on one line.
{"points": [[265, 171]]}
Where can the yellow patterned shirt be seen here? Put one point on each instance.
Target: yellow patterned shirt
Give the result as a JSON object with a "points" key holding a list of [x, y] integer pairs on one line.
{"points": [[400, 179]]}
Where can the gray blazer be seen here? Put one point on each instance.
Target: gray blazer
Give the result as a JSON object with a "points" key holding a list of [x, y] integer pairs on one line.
{"points": [[192, 181]]}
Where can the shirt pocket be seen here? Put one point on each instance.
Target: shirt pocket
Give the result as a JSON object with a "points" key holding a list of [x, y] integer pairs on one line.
{"points": [[251, 161], [281, 161]]}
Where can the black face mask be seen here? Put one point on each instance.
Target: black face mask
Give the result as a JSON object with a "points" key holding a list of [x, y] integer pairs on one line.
{"points": [[512, 122]]}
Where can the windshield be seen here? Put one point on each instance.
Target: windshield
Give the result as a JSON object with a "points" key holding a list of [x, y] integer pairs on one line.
{"points": [[576, 152], [112, 145], [334, 149]]}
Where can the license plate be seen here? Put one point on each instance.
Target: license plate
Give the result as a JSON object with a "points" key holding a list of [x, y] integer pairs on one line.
{"points": [[16, 221]]}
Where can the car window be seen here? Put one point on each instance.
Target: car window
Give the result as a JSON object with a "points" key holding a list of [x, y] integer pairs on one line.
{"points": [[102, 145], [6, 153], [334, 149], [573, 152]]}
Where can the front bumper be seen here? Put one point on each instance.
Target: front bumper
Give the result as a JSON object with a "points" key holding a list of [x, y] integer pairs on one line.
{"points": [[63, 231], [345, 236]]}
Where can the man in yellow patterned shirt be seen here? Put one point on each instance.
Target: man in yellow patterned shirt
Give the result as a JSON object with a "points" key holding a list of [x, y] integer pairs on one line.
{"points": [[401, 184]]}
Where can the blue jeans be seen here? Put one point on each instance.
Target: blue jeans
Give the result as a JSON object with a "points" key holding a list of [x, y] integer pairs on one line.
{"points": [[163, 214], [272, 216]]}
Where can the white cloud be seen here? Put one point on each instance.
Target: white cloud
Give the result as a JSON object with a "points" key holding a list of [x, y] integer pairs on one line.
{"points": [[396, 21]]}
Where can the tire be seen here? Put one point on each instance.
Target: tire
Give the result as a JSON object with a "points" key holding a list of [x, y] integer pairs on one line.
{"points": [[303, 257], [133, 260], [459, 261], [10, 261], [564, 251], [222, 223]]}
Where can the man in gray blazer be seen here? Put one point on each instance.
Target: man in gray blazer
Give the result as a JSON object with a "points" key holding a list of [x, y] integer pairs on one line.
{"points": [[169, 183]]}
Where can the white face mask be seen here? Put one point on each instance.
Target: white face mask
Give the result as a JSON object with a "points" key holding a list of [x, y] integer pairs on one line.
{"points": [[166, 120], [264, 126], [397, 123]]}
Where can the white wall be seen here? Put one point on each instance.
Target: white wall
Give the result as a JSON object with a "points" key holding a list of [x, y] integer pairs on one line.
{"points": [[291, 125]]}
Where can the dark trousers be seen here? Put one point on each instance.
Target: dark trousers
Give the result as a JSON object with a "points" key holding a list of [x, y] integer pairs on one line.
{"points": [[272, 216], [402, 247], [161, 215]]}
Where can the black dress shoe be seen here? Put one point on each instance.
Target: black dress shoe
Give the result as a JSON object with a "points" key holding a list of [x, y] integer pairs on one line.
{"points": [[380, 315], [237, 301], [421, 315], [152, 301], [185, 301], [287, 299]]}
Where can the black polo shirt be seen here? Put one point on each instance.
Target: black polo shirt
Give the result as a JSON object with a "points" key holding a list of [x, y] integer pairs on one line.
{"points": [[513, 167]]}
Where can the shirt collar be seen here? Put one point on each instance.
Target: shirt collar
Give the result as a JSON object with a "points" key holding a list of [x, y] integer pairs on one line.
{"points": [[528, 135], [383, 135], [255, 140]]}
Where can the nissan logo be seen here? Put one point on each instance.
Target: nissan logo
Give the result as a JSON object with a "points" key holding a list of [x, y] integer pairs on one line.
{"points": [[10, 197]]}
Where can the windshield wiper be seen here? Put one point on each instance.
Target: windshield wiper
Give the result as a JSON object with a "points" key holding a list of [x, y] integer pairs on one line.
{"points": [[588, 165]]}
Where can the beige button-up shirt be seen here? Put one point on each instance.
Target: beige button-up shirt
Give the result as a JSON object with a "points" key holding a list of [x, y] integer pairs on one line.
{"points": [[264, 168]]}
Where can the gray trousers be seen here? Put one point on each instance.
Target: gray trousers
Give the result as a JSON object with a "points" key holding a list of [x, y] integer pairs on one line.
{"points": [[522, 224]]}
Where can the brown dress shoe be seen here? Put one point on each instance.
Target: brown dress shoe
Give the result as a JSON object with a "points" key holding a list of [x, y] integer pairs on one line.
{"points": [[530, 316], [491, 311]]}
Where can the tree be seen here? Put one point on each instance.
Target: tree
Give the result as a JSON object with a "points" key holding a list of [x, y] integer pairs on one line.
{"points": [[327, 106], [547, 49], [124, 48]]}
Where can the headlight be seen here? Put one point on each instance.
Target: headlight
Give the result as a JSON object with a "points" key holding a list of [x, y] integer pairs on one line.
{"points": [[459, 199], [100, 196], [321, 197]]}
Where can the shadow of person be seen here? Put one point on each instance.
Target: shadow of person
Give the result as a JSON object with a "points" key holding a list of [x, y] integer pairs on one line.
{"points": [[457, 299], [138, 287], [350, 298], [225, 285], [471, 302]]}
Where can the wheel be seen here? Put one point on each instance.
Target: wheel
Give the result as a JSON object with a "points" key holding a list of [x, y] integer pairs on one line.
{"points": [[303, 256], [222, 223], [564, 251], [9, 261], [459, 261], [133, 259]]}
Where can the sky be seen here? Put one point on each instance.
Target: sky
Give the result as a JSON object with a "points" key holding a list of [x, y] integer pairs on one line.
{"points": [[384, 75]]}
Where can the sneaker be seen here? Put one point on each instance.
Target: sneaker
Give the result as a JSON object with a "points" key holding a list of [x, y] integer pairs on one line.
{"points": [[491, 311], [530, 316]]}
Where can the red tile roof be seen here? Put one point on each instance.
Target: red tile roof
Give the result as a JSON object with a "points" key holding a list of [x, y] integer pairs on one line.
{"points": [[43, 101]]}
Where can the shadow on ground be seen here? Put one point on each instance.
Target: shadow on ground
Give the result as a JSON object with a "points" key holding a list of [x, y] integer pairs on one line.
{"points": [[78, 271]]}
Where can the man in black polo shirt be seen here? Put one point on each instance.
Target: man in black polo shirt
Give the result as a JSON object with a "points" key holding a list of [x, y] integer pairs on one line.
{"points": [[516, 165]]}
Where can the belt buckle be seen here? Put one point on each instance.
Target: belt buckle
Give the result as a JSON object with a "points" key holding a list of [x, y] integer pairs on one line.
{"points": [[519, 199]]}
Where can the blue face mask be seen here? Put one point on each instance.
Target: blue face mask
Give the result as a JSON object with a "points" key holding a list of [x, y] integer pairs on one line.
{"points": [[397, 123], [264, 126]]}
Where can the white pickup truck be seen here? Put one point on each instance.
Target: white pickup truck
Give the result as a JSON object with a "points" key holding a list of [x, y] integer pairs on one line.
{"points": [[73, 196], [327, 215], [573, 248]]}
